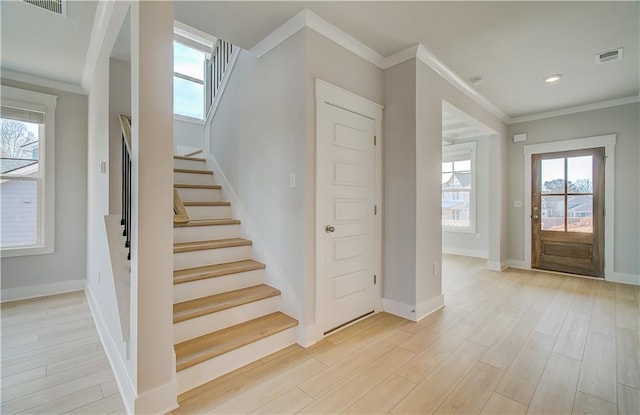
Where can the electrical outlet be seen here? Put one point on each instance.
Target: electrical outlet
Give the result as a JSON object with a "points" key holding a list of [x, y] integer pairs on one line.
{"points": [[478, 235], [435, 268], [292, 180], [517, 203]]}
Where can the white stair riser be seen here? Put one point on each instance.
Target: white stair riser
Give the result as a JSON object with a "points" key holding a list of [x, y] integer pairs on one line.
{"points": [[196, 327], [192, 178], [210, 257], [200, 195], [189, 164], [210, 286], [208, 212], [213, 368], [205, 233]]}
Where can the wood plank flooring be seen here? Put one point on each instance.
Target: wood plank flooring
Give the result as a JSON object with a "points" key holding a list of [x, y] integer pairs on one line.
{"points": [[53, 361], [515, 342]]}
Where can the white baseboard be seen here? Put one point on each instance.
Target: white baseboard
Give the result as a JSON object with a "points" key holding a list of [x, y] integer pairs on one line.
{"points": [[516, 263], [118, 366], [465, 252], [41, 290], [396, 308], [623, 278], [429, 306], [159, 400], [496, 266]]}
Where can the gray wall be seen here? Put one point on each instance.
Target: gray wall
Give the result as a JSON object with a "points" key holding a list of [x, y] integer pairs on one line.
{"points": [[68, 262], [400, 183], [622, 120], [474, 244]]}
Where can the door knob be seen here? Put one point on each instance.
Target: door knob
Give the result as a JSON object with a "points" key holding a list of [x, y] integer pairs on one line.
{"points": [[536, 217], [329, 229]]}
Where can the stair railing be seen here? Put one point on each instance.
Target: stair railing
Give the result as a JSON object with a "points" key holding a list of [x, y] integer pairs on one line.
{"points": [[125, 125], [216, 67]]}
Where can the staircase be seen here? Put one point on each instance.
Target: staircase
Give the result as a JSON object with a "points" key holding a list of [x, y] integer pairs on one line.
{"points": [[224, 316]]}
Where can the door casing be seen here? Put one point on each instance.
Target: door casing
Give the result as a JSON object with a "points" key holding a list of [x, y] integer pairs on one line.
{"points": [[608, 142], [341, 98]]}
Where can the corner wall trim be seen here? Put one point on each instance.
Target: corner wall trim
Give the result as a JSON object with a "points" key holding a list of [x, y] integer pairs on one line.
{"points": [[623, 278], [118, 366], [43, 82], [34, 291], [574, 110], [399, 309], [496, 266], [465, 252], [429, 306]]}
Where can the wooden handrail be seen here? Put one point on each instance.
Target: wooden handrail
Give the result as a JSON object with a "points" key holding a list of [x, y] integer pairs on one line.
{"points": [[125, 126], [179, 212]]}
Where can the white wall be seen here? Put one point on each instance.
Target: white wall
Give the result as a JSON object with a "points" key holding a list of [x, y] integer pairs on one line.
{"points": [[621, 120], [119, 104], [64, 270], [474, 244], [187, 136]]}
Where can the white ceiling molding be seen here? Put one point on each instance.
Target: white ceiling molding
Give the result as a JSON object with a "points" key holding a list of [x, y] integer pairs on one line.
{"points": [[43, 82], [574, 110], [307, 18]]}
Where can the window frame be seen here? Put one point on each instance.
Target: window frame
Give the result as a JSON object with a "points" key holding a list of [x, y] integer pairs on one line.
{"points": [[449, 154], [196, 45], [37, 101]]}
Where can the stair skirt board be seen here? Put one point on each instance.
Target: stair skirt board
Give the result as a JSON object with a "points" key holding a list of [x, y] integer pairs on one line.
{"points": [[200, 195], [204, 257], [189, 164], [199, 326], [192, 178], [208, 212], [216, 285], [208, 370], [204, 233]]}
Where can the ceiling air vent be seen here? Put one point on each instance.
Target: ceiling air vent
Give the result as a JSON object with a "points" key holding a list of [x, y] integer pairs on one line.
{"points": [[56, 6], [611, 55]]}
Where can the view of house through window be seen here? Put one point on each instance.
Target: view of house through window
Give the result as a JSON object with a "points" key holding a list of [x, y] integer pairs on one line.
{"points": [[188, 81], [456, 193], [20, 177]]}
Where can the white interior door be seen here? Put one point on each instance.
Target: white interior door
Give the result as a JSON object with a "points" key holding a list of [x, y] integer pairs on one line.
{"points": [[346, 190]]}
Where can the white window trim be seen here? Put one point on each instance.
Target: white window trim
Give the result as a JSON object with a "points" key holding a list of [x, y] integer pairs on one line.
{"points": [[182, 39], [469, 147], [20, 98]]}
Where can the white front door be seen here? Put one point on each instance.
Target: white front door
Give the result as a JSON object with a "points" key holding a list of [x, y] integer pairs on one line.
{"points": [[346, 190]]}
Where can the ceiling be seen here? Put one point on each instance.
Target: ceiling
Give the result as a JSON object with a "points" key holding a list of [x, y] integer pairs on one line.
{"points": [[511, 45], [39, 42]]}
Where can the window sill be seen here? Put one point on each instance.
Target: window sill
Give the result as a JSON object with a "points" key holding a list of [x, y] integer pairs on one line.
{"points": [[459, 230], [26, 251], [184, 118]]}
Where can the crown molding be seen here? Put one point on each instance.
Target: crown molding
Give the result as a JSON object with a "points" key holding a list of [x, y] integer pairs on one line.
{"points": [[40, 81], [574, 110], [307, 18]]}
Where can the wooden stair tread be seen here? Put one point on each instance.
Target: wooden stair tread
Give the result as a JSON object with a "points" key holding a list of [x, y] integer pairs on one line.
{"points": [[197, 186], [213, 244], [218, 302], [189, 158], [194, 171], [206, 203], [207, 222], [218, 270], [200, 349]]}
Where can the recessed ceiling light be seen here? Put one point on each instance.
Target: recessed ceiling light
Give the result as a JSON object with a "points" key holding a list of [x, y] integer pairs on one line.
{"points": [[552, 78]]}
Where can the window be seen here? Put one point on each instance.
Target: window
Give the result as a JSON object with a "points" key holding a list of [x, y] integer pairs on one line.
{"points": [[458, 187], [188, 81], [26, 172]]}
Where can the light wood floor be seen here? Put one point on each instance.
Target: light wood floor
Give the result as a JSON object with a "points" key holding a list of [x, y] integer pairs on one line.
{"points": [[52, 359], [509, 343]]}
